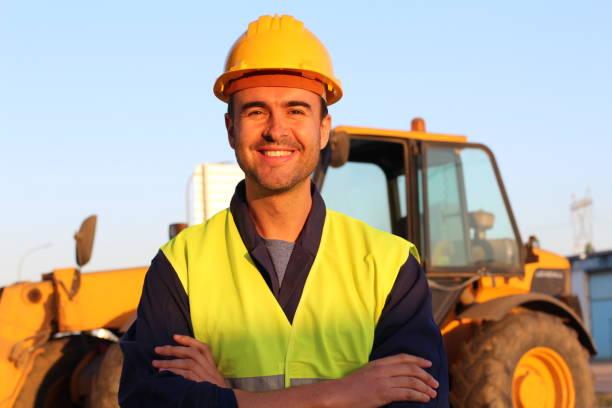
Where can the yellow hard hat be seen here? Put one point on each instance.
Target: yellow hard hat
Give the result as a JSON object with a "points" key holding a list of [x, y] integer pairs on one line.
{"points": [[280, 48]]}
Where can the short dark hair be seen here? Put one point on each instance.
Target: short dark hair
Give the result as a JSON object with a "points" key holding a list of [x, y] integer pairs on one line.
{"points": [[230, 108]]}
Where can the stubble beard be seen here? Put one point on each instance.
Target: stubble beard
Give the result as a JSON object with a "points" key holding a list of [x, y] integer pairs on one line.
{"points": [[270, 184]]}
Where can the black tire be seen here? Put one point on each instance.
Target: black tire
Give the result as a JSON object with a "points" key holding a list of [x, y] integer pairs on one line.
{"points": [[482, 375], [48, 383], [105, 387]]}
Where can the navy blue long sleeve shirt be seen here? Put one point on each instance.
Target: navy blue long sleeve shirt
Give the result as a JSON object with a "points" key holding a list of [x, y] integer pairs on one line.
{"points": [[405, 326]]}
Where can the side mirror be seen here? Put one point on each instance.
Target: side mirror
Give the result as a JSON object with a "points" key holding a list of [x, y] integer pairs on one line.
{"points": [[84, 240], [340, 144]]}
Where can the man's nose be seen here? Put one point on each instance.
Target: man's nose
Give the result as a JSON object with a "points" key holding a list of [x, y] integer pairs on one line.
{"points": [[276, 129]]}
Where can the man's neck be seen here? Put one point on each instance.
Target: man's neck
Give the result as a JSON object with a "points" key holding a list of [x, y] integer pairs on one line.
{"points": [[280, 216]]}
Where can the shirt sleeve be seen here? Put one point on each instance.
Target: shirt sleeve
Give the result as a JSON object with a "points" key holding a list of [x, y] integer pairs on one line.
{"points": [[406, 325], [162, 312]]}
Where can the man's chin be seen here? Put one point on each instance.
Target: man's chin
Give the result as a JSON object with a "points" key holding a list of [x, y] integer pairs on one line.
{"points": [[272, 187]]}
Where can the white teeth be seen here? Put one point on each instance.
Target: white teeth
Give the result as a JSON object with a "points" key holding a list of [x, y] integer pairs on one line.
{"points": [[276, 153]]}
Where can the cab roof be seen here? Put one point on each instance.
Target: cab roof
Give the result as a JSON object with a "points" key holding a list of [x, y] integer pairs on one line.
{"points": [[403, 134]]}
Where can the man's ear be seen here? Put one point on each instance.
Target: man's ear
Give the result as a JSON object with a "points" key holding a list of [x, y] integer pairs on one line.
{"points": [[229, 126], [325, 129]]}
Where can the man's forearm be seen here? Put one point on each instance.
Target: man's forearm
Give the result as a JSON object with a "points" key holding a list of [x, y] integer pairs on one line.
{"points": [[396, 378], [406, 326]]}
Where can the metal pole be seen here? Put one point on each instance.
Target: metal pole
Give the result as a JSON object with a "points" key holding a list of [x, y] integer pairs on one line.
{"points": [[30, 251]]}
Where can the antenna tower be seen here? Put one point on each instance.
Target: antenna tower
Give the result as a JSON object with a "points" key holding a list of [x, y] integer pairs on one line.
{"points": [[582, 223]]}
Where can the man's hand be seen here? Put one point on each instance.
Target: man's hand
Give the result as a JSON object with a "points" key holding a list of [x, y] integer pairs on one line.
{"points": [[193, 361], [400, 377]]}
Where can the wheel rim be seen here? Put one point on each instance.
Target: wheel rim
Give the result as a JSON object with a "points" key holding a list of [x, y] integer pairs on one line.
{"points": [[543, 379]]}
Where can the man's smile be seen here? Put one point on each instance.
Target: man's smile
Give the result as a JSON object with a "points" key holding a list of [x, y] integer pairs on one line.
{"points": [[276, 153]]}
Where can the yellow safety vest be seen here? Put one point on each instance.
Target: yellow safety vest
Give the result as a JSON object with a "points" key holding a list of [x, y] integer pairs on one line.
{"points": [[254, 345]]}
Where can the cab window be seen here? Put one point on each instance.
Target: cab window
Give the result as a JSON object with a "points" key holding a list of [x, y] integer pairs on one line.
{"points": [[469, 223], [360, 191], [370, 186]]}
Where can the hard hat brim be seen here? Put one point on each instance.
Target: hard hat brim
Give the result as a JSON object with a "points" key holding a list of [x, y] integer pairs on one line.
{"points": [[333, 90]]}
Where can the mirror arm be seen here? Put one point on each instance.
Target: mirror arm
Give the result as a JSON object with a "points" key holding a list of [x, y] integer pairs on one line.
{"points": [[530, 255], [74, 286]]}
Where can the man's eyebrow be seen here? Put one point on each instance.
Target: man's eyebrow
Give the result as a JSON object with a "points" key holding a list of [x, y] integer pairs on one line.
{"points": [[254, 104], [298, 103]]}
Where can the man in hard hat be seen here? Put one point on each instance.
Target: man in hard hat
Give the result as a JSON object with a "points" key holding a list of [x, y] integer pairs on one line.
{"points": [[276, 301]]}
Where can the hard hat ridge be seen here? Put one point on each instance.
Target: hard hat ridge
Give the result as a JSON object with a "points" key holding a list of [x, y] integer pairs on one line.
{"points": [[274, 23]]}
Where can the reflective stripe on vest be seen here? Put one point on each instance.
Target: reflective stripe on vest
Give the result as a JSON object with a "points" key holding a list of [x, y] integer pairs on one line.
{"points": [[258, 384], [253, 343], [268, 383]]}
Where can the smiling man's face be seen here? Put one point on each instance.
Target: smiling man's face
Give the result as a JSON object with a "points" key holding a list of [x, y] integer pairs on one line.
{"points": [[277, 134]]}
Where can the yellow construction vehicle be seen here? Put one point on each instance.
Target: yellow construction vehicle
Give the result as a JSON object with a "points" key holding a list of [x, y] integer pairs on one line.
{"points": [[55, 333], [512, 327]]}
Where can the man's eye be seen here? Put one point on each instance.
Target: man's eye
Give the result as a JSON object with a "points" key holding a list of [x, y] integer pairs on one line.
{"points": [[296, 112], [256, 112]]}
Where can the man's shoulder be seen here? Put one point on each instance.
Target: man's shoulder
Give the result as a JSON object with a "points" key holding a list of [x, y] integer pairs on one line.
{"points": [[194, 235], [373, 237], [357, 224], [186, 246], [354, 228]]}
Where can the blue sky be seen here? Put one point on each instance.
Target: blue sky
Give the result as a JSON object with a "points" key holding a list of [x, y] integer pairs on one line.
{"points": [[106, 107]]}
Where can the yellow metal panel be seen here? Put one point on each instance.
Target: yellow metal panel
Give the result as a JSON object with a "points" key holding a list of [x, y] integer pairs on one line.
{"points": [[404, 134], [491, 288], [549, 260], [105, 299], [453, 324], [492, 291], [26, 311]]}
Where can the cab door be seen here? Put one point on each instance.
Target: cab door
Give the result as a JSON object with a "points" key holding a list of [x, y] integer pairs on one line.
{"points": [[469, 228]]}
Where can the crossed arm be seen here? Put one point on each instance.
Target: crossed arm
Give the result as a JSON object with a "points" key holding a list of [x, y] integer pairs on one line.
{"points": [[192, 380], [396, 378]]}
